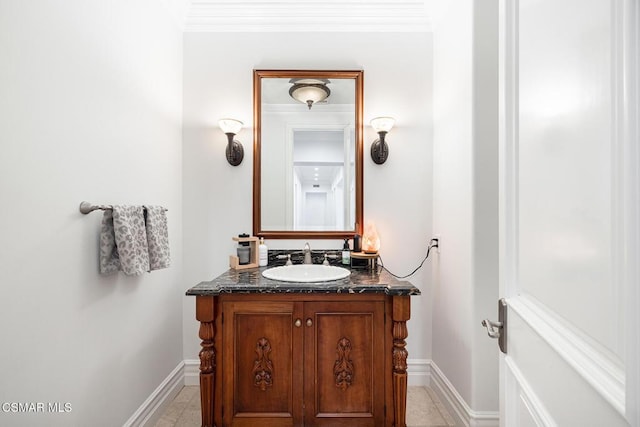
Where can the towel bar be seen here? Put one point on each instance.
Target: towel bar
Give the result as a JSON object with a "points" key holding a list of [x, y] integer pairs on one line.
{"points": [[86, 207]]}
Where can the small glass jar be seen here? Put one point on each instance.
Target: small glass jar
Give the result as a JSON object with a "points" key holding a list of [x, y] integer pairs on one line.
{"points": [[244, 254]]}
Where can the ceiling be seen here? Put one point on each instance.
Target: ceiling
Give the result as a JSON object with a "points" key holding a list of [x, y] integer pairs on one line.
{"points": [[304, 15]]}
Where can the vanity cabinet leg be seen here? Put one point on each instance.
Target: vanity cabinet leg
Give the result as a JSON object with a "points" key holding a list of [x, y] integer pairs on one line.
{"points": [[401, 313], [205, 313]]}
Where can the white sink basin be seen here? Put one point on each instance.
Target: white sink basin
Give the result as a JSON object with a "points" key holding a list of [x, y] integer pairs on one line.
{"points": [[304, 273]]}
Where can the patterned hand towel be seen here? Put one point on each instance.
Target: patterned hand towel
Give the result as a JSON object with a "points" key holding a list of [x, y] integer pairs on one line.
{"points": [[109, 259], [130, 254], [157, 237]]}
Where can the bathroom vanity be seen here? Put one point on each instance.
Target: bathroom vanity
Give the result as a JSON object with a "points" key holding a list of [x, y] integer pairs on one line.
{"points": [[279, 353]]}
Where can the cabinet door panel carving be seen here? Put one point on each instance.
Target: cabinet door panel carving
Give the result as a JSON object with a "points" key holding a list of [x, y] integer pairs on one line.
{"points": [[343, 368], [263, 367]]}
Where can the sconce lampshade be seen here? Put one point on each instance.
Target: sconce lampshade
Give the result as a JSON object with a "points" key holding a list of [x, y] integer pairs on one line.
{"points": [[234, 151], [382, 124], [230, 125], [379, 148], [309, 91]]}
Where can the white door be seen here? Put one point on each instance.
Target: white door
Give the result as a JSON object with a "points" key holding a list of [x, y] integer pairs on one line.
{"points": [[569, 212]]}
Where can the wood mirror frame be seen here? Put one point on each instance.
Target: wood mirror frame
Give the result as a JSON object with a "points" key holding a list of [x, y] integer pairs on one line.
{"points": [[258, 75]]}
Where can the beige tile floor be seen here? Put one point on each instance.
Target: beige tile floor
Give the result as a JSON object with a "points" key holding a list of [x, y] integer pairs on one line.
{"points": [[423, 409]]}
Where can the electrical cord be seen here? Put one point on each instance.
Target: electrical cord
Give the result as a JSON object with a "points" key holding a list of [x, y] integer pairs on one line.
{"points": [[432, 244]]}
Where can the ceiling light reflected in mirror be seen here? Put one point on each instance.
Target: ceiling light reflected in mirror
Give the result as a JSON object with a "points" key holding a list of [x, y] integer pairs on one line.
{"points": [[309, 91]]}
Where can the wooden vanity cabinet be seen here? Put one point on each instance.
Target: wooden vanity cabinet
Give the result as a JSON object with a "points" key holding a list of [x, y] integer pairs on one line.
{"points": [[303, 360]]}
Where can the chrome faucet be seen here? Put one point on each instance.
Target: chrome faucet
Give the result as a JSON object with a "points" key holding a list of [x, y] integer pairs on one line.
{"points": [[307, 254]]}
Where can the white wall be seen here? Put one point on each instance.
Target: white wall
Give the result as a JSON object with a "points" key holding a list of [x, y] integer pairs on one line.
{"points": [[397, 195], [465, 198], [91, 110]]}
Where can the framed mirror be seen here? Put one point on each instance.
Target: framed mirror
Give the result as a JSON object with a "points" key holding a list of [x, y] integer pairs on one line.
{"points": [[307, 154]]}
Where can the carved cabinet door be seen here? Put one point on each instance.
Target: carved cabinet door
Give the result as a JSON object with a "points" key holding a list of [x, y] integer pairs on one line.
{"points": [[262, 360], [344, 374]]}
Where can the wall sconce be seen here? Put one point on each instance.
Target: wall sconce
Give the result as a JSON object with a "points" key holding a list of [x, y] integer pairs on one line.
{"points": [[235, 152], [379, 148]]}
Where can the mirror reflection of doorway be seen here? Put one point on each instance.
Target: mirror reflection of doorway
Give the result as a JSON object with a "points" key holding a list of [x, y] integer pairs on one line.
{"points": [[319, 179]]}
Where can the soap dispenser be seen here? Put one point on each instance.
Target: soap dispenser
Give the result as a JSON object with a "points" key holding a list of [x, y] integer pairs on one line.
{"points": [[263, 253], [357, 243], [346, 253]]}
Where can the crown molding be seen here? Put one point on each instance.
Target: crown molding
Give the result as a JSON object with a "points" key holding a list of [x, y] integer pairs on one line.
{"points": [[307, 16]]}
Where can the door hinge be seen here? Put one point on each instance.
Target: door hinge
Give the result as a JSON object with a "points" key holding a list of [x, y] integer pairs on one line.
{"points": [[498, 329]]}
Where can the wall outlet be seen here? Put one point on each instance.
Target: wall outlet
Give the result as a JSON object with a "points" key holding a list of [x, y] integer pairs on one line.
{"points": [[435, 242]]}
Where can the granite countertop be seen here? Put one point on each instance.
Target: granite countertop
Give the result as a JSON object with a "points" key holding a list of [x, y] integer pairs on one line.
{"points": [[252, 281]]}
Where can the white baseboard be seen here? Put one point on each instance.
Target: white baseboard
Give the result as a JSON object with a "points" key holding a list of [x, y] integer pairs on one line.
{"points": [[152, 409], [192, 372], [421, 372], [456, 405]]}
